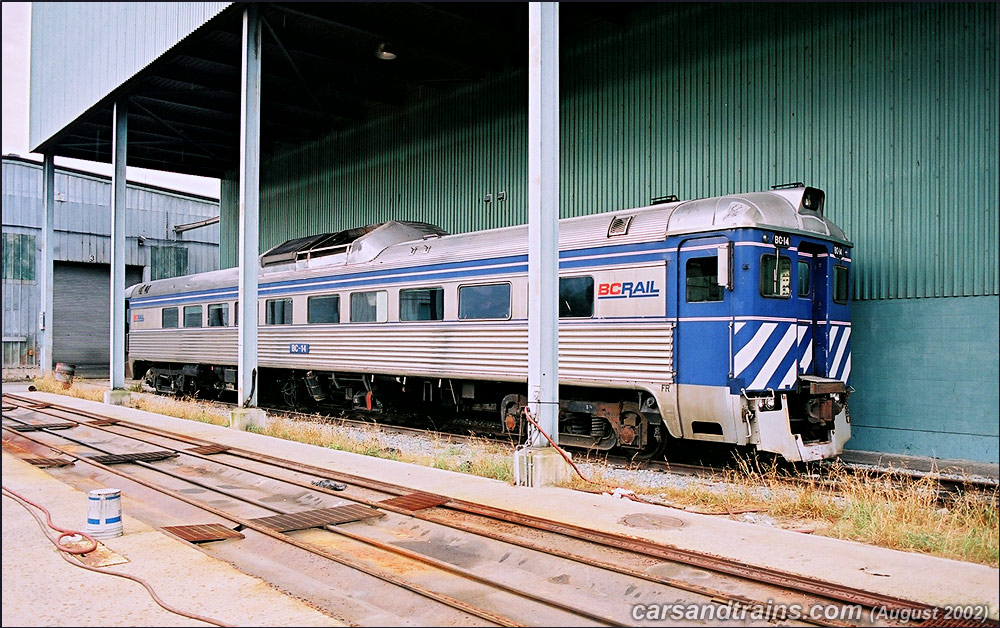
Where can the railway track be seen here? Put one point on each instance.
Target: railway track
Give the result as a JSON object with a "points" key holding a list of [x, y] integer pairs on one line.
{"points": [[461, 556]]}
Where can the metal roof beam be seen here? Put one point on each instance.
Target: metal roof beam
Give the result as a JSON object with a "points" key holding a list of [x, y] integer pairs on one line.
{"points": [[173, 129], [295, 68]]}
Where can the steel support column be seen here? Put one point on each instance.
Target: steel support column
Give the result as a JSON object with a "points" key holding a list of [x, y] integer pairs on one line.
{"points": [[249, 183], [118, 204], [46, 275], [543, 217]]}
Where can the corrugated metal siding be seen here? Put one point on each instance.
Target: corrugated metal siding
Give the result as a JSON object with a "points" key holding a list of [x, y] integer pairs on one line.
{"points": [[81, 52], [82, 224], [892, 109]]}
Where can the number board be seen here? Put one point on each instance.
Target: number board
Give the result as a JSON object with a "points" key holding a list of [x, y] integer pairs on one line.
{"points": [[839, 251], [783, 241], [298, 347]]}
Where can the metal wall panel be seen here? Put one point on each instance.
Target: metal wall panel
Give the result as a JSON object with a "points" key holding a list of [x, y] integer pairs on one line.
{"points": [[890, 108], [82, 225], [73, 68]]}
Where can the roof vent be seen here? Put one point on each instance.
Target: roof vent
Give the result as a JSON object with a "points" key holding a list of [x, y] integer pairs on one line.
{"points": [[619, 225]]}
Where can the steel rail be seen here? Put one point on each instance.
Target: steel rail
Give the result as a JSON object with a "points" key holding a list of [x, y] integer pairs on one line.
{"points": [[250, 524], [513, 540], [412, 555], [767, 575]]}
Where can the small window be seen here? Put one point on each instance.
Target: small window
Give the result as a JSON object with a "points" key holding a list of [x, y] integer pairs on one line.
{"points": [[422, 304], [323, 309], [702, 280], [236, 313], [805, 279], [841, 287], [775, 276], [278, 312], [369, 307], [489, 301], [576, 297], [192, 316], [169, 318], [218, 315]]}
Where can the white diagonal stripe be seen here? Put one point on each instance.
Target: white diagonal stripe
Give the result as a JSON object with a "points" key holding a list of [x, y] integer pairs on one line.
{"points": [[834, 330], [840, 350], [807, 357], [774, 361], [789, 378], [738, 326], [847, 369], [747, 354]]}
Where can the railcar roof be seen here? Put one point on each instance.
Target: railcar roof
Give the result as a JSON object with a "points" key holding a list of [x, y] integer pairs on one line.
{"points": [[779, 209]]}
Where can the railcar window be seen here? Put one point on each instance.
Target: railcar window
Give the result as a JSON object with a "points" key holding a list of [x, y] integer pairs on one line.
{"points": [[489, 301], [168, 318], [278, 312], [218, 315], [324, 309], [805, 280], [369, 307], [192, 316], [576, 297], [421, 304], [775, 276], [702, 280], [840, 284]]}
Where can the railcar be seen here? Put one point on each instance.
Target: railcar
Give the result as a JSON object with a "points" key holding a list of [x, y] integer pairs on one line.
{"points": [[723, 319]]}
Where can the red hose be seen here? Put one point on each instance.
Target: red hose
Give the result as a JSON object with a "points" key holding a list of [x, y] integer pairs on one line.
{"points": [[63, 550]]}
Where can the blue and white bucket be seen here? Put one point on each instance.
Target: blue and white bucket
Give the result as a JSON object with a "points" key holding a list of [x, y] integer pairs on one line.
{"points": [[104, 513]]}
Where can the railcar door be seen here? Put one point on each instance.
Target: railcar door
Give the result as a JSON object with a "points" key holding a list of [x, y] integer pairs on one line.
{"points": [[810, 307], [703, 335]]}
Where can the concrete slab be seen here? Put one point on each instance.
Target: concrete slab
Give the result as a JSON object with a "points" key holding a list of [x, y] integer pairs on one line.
{"points": [[117, 397], [42, 589], [910, 576]]}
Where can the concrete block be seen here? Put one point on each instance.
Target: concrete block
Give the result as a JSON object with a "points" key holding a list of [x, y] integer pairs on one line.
{"points": [[540, 466], [247, 418], [117, 397]]}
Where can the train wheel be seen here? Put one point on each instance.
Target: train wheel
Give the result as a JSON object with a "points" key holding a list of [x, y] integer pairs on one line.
{"points": [[290, 392], [656, 446]]}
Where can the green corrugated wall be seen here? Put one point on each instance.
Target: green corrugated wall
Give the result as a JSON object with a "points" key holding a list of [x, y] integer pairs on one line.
{"points": [[892, 109]]}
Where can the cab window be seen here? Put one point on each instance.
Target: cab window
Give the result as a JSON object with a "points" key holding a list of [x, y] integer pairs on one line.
{"points": [[702, 280], [805, 280], [841, 287], [775, 276]]}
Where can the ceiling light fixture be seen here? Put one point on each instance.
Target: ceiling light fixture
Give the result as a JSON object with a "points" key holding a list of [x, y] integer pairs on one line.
{"points": [[383, 54]]}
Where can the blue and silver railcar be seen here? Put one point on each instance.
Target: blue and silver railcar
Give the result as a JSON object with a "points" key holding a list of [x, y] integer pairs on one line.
{"points": [[722, 319]]}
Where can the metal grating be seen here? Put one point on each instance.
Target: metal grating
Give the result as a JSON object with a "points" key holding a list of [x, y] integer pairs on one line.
{"points": [[48, 462], [318, 518], [203, 533], [40, 426], [415, 501], [144, 456], [102, 422], [206, 450]]}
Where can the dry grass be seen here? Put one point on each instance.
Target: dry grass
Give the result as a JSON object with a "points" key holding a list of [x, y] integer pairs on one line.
{"points": [[77, 389], [905, 514], [866, 507], [476, 457], [182, 408]]}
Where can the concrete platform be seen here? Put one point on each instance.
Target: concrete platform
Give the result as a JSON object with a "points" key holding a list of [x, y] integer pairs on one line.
{"points": [[910, 576], [42, 589]]}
